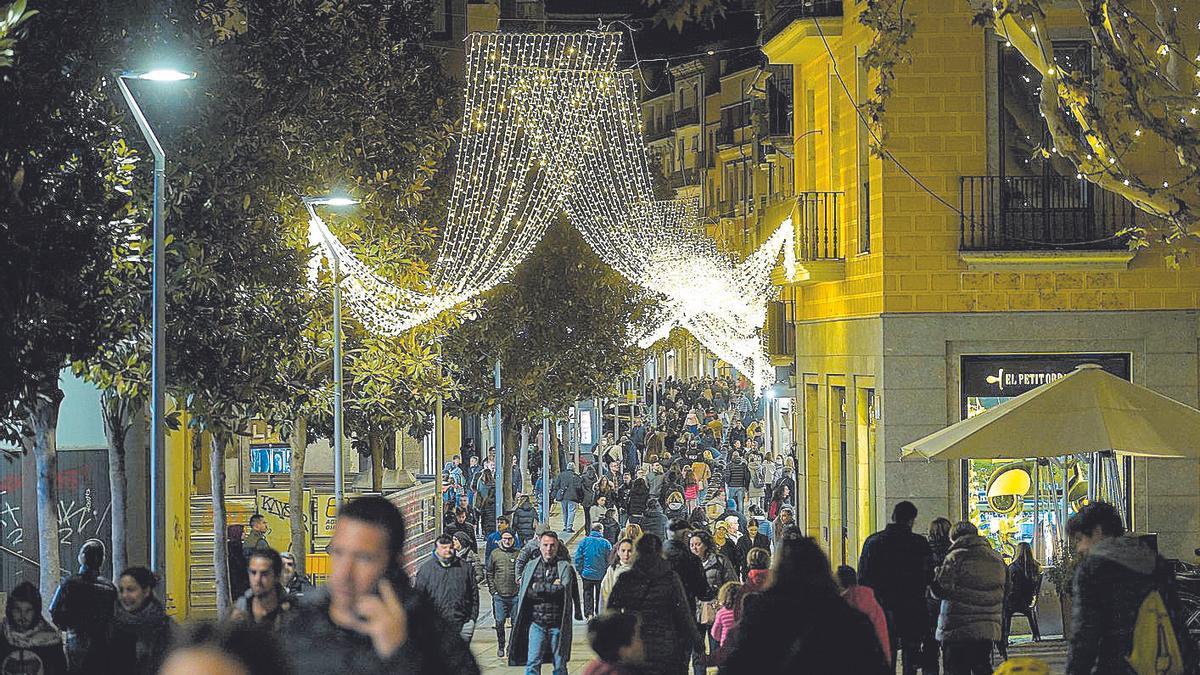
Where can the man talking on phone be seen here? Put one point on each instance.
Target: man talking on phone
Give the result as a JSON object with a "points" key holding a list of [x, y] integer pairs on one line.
{"points": [[369, 619]]}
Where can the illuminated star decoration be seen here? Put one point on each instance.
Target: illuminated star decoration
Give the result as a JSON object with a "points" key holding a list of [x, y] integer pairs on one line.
{"points": [[551, 125]]}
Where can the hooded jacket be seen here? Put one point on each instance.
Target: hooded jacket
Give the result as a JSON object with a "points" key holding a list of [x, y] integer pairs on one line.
{"points": [[654, 520], [651, 589], [38, 650], [970, 584], [1109, 586], [639, 493], [591, 556]]}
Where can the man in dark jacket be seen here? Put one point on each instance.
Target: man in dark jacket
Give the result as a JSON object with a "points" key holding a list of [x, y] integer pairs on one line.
{"points": [[368, 619], [501, 570], [1116, 575], [895, 564], [547, 599], [737, 479], [524, 518], [450, 583], [970, 584], [256, 536], [686, 565], [28, 644], [568, 488], [83, 608]]}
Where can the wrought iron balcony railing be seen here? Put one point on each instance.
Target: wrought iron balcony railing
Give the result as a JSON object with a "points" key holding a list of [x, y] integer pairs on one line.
{"points": [[784, 12]]}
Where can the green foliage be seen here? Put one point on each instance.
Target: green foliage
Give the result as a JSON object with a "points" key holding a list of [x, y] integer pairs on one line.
{"points": [[563, 329], [11, 18], [64, 203], [677, 13]]}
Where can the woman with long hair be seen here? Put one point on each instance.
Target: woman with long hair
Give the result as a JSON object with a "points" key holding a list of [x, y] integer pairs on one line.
{"points": [[652, 590], [717, 572], [1024, 576], [620, 560], [939, 545], [801, 624]]}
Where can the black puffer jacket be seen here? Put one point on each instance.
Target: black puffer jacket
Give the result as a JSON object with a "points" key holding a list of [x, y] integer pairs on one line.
{"points": [[1109, 586], [737, 475], [639, 493], [970, 584], [524, 518], [690, 571], [452, 587], [717, 571], [652, 590]]}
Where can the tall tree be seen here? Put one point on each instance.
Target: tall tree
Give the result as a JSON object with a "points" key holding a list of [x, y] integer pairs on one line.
{"points": [[11, 18], [1117, 126], [64, 201]]}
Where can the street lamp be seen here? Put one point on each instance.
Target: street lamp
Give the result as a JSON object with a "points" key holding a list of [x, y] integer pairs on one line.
{"points": [[311, 203], [158, 314]]}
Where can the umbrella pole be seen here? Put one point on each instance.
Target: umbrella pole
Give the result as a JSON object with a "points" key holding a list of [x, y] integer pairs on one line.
{"points": [[1062, 526], [1037, 504]]}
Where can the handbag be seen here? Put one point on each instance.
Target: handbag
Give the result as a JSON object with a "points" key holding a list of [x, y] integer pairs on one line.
{"points": [[706, 611]]}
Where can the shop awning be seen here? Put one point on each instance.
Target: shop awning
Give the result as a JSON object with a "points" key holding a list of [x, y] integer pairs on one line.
{"points": [[1088, 410]]}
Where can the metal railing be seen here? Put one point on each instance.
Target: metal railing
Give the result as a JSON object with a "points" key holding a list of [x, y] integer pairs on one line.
{"points": [[655, 132], [818, 232], [687, 116], [784, 12], [1030, 213], [685, 177]]}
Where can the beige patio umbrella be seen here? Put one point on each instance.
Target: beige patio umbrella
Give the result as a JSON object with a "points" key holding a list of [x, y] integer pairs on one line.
{"points": [[1089, 410]]}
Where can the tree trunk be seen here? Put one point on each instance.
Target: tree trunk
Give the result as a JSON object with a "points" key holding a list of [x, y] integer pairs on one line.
{"points": [[375, 442], [117, 415], [511, 438], [524, 457], [296, 501], [220, 553], [42, 420]]}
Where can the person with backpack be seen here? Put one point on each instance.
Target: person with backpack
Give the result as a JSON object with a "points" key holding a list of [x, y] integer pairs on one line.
{"points": [[1126, 616]]}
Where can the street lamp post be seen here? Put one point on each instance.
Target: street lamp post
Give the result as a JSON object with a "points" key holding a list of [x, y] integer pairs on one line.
{"points": [[158, 315], [311, 203]]}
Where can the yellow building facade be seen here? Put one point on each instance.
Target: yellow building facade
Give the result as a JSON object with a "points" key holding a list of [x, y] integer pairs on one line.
{"points": [[964, 256]]}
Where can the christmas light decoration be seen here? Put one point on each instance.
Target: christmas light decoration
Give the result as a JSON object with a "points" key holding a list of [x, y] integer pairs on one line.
{"points": [[550, 125]]}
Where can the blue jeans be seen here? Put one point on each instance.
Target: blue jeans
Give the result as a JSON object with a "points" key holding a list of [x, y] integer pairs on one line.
{"points": [[738, 495], [502, 609], [538, 635], [568, 513]]}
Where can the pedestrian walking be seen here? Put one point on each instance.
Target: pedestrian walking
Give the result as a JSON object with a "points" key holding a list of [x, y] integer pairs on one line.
{"points": [[591, 561], [83, 609], [895, 564], [1024, 580], [368, 619], [266, 601], [501, 573], [654, 521], [610, 526], [140, 625], [687, 565], [451, 585], [639, 497], [485, 501], [256, 536], [620, 561], [939, 546], [568, 489], [503, 525], [28, 643], [524, 519], [752, 539], [1125, 613], [652, 590], [737, 479], [547, 599], [801, 624], [718, 571], [970, 584], [616, 639], [863, 599], [462, 548], [294, 583]]}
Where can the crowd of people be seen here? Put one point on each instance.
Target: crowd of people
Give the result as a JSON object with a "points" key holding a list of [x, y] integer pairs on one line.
{"points": [[691, 559]]}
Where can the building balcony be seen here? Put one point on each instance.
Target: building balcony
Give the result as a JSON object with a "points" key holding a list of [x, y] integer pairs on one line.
{"points": [[657, 132], [687, 116], [684, 178], [791, 21], [724, 136], [1042, 221], [817, 235]]}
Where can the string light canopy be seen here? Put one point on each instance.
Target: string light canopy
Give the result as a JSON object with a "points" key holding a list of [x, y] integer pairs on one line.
{"points": [[551, 125]]}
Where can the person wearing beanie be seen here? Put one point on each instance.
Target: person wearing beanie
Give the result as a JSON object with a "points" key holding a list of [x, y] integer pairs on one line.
{"points": [[28, 643]]}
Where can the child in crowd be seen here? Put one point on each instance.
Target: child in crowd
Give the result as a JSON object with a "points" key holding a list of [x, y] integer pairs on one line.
{"points": [[725, 618], [617, 641], [863, 599]]}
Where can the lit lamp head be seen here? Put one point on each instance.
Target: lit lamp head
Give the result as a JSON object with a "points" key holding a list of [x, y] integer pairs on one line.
{"points": [[335, 201], [158, 75]]}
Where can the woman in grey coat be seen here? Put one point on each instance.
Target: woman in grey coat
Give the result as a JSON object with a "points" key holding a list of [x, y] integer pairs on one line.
{"points": [[970, 584]]}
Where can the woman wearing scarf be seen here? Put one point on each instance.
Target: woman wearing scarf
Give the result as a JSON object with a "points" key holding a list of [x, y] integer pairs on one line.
{"points": [[141, 627]]}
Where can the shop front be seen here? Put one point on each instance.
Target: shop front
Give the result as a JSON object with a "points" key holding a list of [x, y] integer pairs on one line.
{"points": [[1023, 500]]}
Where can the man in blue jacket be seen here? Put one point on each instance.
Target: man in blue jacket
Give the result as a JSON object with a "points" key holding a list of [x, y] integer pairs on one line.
{"points": [[591, 559]]}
